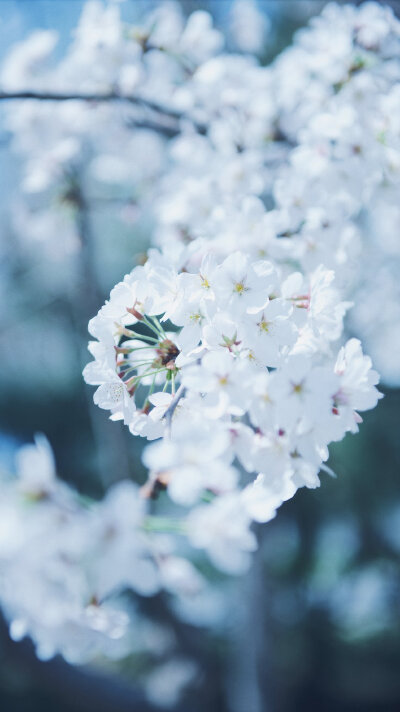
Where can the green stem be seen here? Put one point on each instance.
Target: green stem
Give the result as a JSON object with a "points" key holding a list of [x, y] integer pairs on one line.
{"points": [[141, 337], [160, 370], [152, 326], [150, 393], [145, 373], [136, 366], [208, 496], [142, 348], [153, 523], [158, 326]]}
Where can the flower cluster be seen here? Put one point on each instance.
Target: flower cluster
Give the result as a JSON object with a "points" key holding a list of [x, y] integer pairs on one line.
{"points": [[67, 563], [243, 372], [295, 162], [300, 163], [55, 559], [225, 337], [67, 145]]}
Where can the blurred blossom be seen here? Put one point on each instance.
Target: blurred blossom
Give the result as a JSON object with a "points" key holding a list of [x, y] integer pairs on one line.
{"points": [[249, 26], [389, 525], [28, 60], [210, 607], [165, 685], [361, 604], [337, 545]]}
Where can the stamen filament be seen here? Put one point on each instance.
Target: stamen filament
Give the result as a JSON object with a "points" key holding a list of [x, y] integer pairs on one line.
{"points": [[151, 326], [142, 337]]}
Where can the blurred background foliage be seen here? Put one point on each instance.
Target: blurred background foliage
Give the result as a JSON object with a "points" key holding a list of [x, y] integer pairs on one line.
{"points": [[318, 621]]}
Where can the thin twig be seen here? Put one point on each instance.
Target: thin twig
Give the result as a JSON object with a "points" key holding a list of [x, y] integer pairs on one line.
{"points": [[172, 406], [161, 110], [163, 129], [92, 96]]}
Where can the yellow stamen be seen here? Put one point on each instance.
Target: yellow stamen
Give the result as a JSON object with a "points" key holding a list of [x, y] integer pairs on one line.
{"points": [[240, 288]]}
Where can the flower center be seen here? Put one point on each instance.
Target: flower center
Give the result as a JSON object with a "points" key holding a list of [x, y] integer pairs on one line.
{"points": [[167, 351], [264, 325], [239, 288]]}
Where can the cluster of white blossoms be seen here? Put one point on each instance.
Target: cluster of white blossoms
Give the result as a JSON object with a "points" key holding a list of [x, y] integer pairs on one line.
{"points": [[231, 368], [225, 347], [297, 162], [67, 563], [55, 560], [300, 164], [68, 151]]}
